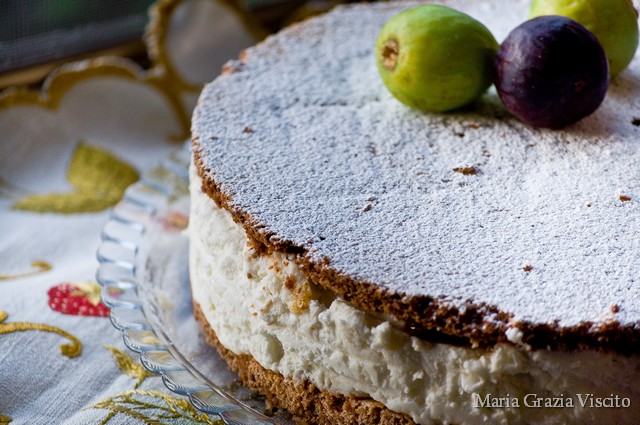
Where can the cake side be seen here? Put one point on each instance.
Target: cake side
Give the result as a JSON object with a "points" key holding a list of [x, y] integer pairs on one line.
{"points": [[532, 249], [303, 399]]}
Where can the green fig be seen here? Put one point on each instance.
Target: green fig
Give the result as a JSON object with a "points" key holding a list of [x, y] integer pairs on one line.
{"points": [[434, 58]]}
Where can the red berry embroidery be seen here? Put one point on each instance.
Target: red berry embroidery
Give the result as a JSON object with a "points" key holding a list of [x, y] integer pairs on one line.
{"points": [[78, 299]]}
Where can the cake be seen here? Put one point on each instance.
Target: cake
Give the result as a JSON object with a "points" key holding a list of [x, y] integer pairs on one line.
{"points": [[357, 261]]}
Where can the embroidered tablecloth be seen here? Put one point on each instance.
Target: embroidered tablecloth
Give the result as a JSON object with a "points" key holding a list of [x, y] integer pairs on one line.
{"points": [[67, 153]]}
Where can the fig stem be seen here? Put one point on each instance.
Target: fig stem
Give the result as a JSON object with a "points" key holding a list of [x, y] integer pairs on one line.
{"points": [[389, 54]]}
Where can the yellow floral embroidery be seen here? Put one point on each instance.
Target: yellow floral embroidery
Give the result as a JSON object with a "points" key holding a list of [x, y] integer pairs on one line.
{"points": [[127, 365], [153, 407], [70, 350], [149, 407], [99, 180], [39, 266], [4, 420]]}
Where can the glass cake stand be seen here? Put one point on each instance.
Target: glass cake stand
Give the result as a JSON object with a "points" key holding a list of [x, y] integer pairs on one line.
{"points": [[144, 276]]}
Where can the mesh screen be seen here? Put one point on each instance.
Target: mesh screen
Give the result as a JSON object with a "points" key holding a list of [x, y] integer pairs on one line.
{"points": [[39, 31]]}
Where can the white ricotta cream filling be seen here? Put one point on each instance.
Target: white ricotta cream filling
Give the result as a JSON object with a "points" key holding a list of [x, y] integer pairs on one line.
{"points": [[262, 305]]}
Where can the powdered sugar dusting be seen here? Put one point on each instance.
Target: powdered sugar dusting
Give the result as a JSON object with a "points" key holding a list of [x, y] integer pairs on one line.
{"points": [[334, 164]]}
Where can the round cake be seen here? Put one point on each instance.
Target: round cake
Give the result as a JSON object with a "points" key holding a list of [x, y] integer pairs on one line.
{"points": [[357, 261]]}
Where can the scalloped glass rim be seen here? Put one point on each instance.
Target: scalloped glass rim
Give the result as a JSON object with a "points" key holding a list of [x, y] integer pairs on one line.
{"points": [[136, 308]]}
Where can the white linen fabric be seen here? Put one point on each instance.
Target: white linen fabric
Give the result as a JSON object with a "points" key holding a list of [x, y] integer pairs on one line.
{"points": [[63, 157]]}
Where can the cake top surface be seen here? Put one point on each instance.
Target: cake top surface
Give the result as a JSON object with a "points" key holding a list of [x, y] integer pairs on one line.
{"points": [[468, 210]]}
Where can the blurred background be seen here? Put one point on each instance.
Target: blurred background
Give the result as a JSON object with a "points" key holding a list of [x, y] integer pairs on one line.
{"points": [[38, 35]]}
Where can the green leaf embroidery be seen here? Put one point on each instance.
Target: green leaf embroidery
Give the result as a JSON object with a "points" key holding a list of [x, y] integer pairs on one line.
{"points": [[153, 408], [128, 365], [4, 420], [99, 180]]}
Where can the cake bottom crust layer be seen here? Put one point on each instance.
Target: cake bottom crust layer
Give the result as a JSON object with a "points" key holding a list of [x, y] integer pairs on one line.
{"points": [[307, 403]]}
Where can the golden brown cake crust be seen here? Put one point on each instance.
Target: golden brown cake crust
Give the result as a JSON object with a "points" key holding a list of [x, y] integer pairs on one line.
{"points": [[425, 316], [305, 401]]}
